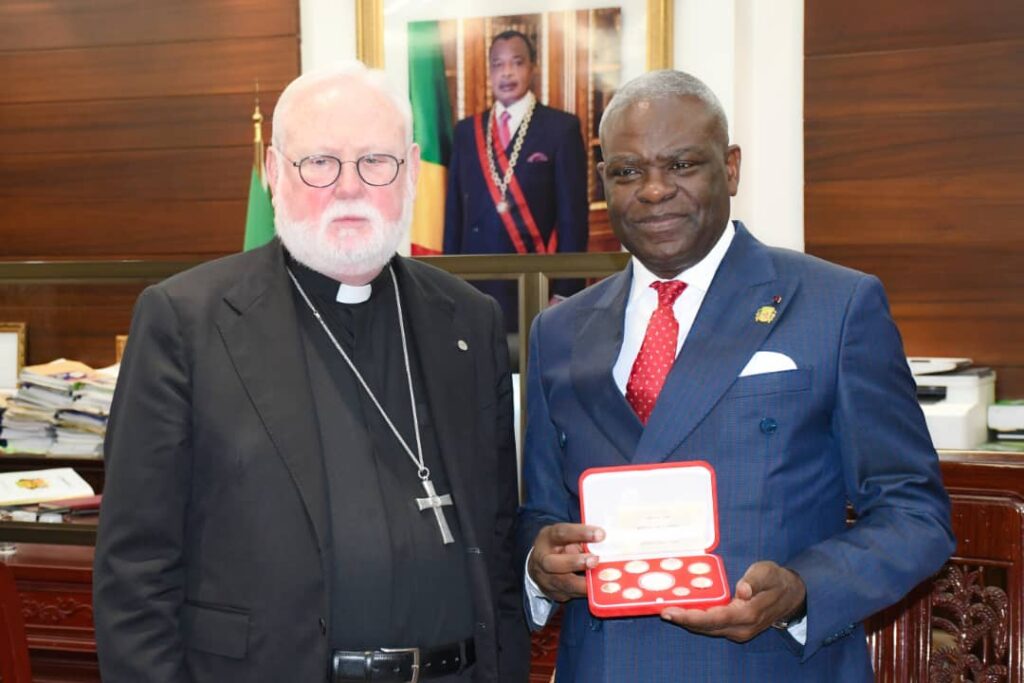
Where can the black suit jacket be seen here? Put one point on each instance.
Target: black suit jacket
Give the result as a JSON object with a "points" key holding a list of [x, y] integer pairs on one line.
{"points": [[210, 561]]}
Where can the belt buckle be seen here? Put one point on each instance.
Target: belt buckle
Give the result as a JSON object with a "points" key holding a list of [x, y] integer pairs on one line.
{"points": [[415, 651]]}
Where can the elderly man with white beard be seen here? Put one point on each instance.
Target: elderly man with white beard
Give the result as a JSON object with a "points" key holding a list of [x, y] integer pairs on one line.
{"points": [[310, 470]]}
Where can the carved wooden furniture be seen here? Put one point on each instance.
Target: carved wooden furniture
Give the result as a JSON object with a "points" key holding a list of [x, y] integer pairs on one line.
{"points": [[966, 624], [55, 586], [14, 663]]}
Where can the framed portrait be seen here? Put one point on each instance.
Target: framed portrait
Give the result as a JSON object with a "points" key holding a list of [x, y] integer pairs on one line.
{"points": [[585, 50], [12, 355]]}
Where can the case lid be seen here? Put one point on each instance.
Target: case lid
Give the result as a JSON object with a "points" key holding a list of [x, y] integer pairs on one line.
{"points": [[650, 510]]}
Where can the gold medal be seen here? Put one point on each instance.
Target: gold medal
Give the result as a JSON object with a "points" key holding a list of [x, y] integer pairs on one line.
{"points": [[765, 315], [502, 206]]}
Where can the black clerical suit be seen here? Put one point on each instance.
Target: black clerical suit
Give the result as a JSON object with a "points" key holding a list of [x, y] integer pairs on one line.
{"points": [[214, 559]]}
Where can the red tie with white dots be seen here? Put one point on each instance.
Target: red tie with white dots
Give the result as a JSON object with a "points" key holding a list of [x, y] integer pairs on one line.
{"points": [[657, 353]]}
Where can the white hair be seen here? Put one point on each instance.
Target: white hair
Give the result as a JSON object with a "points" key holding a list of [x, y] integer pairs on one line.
{"points": [[341, 71], [655, 85]]}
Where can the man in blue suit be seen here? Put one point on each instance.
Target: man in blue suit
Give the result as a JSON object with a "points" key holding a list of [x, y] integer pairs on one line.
{"points": [[517, 181], [784, 372]]}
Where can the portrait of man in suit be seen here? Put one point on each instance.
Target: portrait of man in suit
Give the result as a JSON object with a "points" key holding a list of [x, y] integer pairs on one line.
{"points": [[310, 468], [517, 180], [784, 372]]}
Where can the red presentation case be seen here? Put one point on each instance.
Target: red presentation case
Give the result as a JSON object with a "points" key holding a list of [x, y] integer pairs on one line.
{"points": [[661, 526]]}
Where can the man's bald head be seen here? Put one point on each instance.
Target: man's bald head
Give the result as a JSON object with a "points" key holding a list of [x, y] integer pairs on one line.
{"points": [[340, 75]]}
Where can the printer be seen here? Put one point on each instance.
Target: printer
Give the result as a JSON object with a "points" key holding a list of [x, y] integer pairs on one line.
{"points": [[955, 396]]}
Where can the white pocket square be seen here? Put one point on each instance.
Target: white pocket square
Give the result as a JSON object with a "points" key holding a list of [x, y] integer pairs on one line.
{"points": [[768, 361]]}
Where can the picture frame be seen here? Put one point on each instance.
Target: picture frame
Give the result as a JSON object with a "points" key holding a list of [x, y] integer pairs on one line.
{"points": [[370, 25], [586, 49], [12, 354]]}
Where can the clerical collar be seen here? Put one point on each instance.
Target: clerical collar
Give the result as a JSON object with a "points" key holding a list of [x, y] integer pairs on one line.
{"points": [[353, 294], [328, 289]]}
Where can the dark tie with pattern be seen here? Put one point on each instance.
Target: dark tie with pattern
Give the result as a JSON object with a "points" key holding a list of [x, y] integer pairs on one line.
{"points": [[657, 353]]}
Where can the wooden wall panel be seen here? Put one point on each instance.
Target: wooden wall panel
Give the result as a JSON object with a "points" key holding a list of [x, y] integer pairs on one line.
{"points": [[154, 70], [133, 124], [941, 80], [34, 25], [914, 160], [186, 174], [127, 134], [129, 228], [866, 25], [916, 145], [866, 212]]}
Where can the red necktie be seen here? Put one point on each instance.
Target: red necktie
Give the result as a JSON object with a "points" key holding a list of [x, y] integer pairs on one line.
{"points": [[503, 132], [657, 353]]}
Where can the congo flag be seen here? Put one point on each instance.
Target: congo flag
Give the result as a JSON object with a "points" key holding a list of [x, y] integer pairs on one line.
{"points": [[432, 129]]}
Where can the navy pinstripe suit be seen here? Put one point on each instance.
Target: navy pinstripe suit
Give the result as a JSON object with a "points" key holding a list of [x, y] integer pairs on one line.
{"points": [[789, 449]]}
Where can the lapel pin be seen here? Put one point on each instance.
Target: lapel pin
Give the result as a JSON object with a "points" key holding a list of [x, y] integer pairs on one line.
{"points": [[776, 299], [463, 346], [765, 315]]}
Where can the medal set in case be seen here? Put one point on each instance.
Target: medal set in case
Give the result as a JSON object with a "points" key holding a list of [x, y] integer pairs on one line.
{"points": [[661, 524]]}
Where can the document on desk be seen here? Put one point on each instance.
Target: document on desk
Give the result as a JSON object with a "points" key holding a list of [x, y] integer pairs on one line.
{"points": [[40, 486]]}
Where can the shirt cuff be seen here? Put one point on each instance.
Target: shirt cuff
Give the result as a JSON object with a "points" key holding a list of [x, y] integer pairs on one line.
{"points": [[540, 605], [798, 630]]}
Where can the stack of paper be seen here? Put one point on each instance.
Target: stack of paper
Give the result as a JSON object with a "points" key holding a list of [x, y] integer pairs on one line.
{"points": [[82, 426], [32, 422]]}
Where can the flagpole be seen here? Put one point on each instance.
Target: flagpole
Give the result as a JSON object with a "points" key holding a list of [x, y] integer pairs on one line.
{"points": [[257, 138], [259, 216]]}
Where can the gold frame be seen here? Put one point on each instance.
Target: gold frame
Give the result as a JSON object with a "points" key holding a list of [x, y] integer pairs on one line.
{"points": [[20, 330], [119, 342], [370, 33]]}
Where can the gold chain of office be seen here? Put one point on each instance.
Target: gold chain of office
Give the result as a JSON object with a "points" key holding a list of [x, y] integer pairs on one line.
{"points": [[499, 182]]}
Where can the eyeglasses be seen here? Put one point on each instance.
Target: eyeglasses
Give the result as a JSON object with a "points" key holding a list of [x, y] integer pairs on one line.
{"points": [[322, 170]]}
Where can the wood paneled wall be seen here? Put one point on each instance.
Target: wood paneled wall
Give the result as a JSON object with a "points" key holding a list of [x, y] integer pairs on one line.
{"points": [[126, 132], [914, 166]]}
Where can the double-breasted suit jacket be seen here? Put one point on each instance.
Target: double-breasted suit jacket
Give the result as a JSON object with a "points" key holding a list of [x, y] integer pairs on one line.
{"points": [[789, 449]]}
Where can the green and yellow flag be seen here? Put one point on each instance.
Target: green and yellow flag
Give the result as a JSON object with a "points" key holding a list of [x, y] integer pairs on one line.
{"points": [[259, 217], [432, 129]]}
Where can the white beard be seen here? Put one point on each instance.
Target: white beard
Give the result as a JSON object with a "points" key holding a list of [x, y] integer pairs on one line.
{"points": [[340, 252]]}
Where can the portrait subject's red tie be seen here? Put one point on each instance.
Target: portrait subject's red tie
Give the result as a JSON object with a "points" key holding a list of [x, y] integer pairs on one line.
{"points": [[504, 134], [657, 353]]}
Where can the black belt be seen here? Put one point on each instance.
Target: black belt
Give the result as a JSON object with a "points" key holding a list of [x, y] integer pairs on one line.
{"points": [[402, 664]]}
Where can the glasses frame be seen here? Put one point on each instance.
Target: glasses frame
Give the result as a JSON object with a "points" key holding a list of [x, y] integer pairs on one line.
{"points": [[341, 165]]}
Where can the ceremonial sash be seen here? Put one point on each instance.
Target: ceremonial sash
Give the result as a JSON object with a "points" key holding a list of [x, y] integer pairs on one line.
{"points": [[518, 220]]}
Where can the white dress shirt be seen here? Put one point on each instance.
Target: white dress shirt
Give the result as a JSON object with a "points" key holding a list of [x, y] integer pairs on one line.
{"points": [[642, 301], [516, 112]]}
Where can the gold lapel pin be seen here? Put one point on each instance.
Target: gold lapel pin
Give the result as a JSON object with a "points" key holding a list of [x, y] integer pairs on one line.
{"points": [[765, 315]]}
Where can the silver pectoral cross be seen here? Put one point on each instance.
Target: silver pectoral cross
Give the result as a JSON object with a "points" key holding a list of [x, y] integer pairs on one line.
{"points": [[436, 502]]}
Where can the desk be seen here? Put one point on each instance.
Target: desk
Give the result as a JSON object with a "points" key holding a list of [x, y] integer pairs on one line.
{"points": [[55, 583], [974, 607]]}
